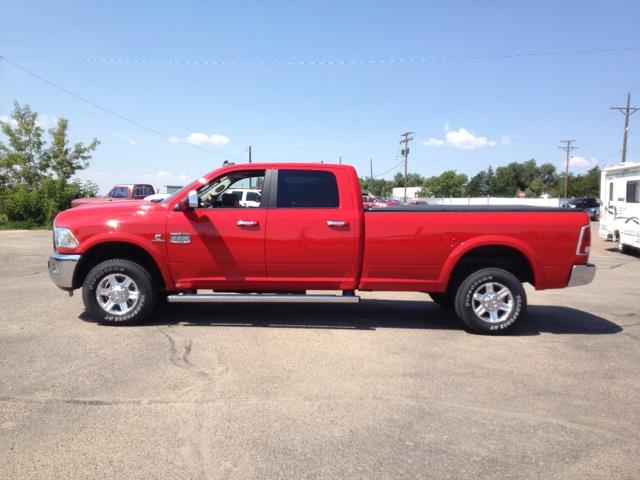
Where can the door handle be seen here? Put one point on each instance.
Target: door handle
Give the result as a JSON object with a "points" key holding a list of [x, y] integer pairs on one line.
{"points": [[337, 223], [247, 223]]}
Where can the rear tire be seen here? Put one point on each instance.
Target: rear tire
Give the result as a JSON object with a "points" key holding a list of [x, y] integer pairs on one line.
{"points": [[490, 301], [119, 292]]}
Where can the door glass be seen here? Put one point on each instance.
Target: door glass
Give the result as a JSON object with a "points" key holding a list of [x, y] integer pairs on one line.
{"points": [[234, 190], [307, 189]]}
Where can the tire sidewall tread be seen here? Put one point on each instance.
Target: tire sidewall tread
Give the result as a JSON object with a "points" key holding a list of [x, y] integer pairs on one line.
{"points": [[464, 306], [147, 296]]}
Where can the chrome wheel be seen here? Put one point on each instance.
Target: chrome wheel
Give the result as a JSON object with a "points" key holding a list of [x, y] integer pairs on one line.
{"points": [[492, 302], [117, 294]]}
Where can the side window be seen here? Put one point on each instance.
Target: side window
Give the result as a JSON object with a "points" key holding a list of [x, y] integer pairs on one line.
{"points": [[235, 190], [307, 189], [610, 191], [633, 192], [119, 192]]}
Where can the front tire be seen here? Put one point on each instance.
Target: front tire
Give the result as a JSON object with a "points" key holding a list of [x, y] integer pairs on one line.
{"points": [[490, 301], [119, 292]]}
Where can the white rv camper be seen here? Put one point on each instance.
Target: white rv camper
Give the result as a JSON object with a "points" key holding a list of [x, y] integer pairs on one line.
{"points": [[620, 211]]}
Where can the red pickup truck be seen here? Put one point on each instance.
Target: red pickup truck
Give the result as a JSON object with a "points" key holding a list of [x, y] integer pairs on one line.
{"points": [[121, 192], [309, 231]]}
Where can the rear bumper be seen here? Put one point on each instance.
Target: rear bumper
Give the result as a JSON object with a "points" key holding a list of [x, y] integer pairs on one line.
{"points": [[62, 269], [582, 275]]}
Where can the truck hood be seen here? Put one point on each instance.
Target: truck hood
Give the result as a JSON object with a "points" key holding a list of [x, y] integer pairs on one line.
{"points": [[103, 212]]}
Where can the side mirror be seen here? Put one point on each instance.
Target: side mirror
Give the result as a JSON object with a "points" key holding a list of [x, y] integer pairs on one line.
{"points": [[189, 202], [192, 199]]}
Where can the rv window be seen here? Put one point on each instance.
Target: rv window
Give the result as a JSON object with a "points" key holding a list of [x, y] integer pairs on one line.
{"points": [[633, 192], [610, 191]]}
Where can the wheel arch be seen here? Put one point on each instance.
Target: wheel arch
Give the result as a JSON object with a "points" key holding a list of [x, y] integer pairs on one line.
{"points": [[119, 249], [509, 255]]}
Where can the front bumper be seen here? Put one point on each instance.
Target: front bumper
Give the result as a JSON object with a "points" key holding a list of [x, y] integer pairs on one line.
{"points": [[62, 268], [582, 275]]}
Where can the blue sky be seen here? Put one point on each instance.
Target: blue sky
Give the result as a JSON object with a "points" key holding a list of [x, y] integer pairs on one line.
{"points": [[471, 113]]}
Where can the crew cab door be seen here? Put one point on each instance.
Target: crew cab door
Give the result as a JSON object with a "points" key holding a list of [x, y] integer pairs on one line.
{"points": [[220, 244], [313, 231]]}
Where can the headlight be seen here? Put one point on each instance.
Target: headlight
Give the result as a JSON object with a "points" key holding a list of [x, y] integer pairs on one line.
{"points": [[64, 238]]}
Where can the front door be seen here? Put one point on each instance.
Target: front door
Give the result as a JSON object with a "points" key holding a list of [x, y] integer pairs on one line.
{"points": [[220, 244]]}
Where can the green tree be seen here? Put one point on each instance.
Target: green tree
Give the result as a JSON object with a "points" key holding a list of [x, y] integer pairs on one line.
{"points": [[413, 180], [377, 186], [448, 184], [480, 184], [35, 175]]}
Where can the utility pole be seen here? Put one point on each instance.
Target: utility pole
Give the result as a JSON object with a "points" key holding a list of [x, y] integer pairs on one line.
{"points": [[567, 148], [627, 112], [405, 139], [340, 160], [250, 182], [371, 169]]}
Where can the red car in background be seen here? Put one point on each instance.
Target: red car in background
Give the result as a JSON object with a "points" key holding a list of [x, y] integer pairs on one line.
{"points": [[369, 201]]}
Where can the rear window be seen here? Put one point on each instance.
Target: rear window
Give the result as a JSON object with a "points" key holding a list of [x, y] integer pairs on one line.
{"points": [[633, 192], [307, 189], [143, 191]]}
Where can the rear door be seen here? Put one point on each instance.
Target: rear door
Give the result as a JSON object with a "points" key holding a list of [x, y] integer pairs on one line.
{"points": [[312, 231]]}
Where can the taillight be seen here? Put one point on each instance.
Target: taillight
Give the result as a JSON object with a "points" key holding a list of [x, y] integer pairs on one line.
{"points": [[584, 241]]}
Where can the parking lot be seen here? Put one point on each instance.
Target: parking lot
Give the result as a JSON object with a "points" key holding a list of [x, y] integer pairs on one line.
{"points": [[390, 388]]}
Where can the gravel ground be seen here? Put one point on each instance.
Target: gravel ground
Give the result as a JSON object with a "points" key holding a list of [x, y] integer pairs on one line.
{"points": [[390, 388]]}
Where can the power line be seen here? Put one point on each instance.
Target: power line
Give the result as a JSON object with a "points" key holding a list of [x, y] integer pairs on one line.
{"points": [[390, 170], [115, 114], [295, 63]]}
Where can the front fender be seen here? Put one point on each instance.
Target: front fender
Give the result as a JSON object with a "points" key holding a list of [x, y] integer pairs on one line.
{"points": [[157, 250]]}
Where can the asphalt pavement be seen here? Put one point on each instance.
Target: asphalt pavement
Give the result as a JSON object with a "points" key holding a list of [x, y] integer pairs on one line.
{"points": [[390, 388]]}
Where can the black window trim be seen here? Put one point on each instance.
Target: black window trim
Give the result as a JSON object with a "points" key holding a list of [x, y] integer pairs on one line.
{"points": [[274, 190]]}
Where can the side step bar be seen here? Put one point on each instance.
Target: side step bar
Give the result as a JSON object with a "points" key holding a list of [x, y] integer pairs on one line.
{"points": [[261, 298]]}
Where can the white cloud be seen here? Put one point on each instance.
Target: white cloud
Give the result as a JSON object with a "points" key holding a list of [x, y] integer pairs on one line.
{"points": [[46, 121], [582, 163], [43, 121], [198, 138], [8, 120], [434, 142], [464, 140]]}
